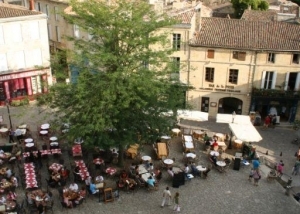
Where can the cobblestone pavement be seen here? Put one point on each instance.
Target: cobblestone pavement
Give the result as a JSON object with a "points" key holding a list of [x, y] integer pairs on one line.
{"points": [[227, 193]]}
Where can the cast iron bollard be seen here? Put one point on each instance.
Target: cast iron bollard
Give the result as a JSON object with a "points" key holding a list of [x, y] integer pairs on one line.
{"points": [[289, 183], [288, 189]]}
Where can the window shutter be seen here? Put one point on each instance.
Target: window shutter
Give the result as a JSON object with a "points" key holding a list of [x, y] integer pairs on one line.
{"points": [[287, 76], [274, 80], [242, 56], [297, 82], [210, 54], [263, 80]]}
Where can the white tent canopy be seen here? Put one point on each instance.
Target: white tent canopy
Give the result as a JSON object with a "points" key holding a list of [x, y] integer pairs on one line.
{"points": [[192, 115], [241, 127], [238, 119], [245, 132]]}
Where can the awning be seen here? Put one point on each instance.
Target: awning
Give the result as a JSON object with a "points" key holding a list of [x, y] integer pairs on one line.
{"points": [[245, 132], [238, 119], [192, 115]]}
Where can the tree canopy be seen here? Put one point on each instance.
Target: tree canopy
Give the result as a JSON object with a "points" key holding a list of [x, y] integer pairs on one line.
{"points": [[123, 86], [241, 5]]}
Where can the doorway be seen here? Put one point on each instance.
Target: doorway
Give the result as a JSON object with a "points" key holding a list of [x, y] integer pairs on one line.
{"points": [[227, 105]]}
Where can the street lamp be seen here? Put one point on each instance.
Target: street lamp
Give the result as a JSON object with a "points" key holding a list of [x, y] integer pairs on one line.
{"points": [[7, 105], [230, 142]]}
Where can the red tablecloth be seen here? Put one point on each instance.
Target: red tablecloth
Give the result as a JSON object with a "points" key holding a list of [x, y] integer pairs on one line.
{"points": [[55, 167], [77, 150], [111, 170], [30, 177], [56, 151], [83, 171], [45, 152], [98, 161]]}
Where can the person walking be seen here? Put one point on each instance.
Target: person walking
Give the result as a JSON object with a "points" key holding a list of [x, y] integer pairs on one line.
{"points": [[166, 197], [256, 176], [176, 201], [11, 136], [296, 168]]}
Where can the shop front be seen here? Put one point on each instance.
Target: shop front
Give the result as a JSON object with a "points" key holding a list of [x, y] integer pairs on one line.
{"points": [[17, 86]]}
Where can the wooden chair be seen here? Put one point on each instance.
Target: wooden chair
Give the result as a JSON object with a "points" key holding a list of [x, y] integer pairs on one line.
{"points": [[108, 195]]}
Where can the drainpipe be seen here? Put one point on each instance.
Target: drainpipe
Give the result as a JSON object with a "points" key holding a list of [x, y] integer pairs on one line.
{"points": [[31, 5], [253, 73], [188, 68]]}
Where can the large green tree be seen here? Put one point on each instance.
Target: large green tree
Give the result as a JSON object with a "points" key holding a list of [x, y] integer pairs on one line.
{"points": [[123, 86], [241, 5]]}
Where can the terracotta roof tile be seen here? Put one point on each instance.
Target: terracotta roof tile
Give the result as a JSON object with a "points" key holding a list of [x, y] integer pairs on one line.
{"points": [[251, 35], [186, 16], [257, 15], [9, 11]]}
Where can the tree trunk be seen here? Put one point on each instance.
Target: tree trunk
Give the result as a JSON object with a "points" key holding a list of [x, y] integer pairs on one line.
{"points": [[121, 155]]}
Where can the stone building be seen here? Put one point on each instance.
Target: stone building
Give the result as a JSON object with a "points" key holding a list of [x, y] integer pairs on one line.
{"points": [[24, 53]]}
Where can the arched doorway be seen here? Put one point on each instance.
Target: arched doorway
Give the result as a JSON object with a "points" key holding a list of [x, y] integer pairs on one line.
{"points": [[227, 105]]}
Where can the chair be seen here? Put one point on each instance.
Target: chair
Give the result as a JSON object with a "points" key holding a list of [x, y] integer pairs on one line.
{"points": [[49, 207]]}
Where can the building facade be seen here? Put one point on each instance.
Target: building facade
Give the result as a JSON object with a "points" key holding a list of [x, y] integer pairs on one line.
{"points": [[24, 53]]}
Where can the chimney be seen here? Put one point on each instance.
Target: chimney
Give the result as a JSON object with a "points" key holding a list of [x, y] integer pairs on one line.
{"points": [[31, 5]]}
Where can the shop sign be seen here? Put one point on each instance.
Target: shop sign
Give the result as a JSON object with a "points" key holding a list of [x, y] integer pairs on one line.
{"points": [[21, 75]]}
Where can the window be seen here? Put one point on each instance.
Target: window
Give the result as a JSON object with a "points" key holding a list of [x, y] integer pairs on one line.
{"points": [[76, 31], [271, 57], [239, 55], [268, 80], [56, 13], [209, 74], [36, 84], [47, 10], [175, 68], [176, 41], [233, 76], [292, 81], [57, 33], [39, 6], [210, 54], [204, 104], [49, 31], [295, 57]]}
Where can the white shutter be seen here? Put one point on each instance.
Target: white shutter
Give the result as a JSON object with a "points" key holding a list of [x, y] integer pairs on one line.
{"points": [[39, 84], [263, 79], [287, 76], [49, 31], [274, 79], [3, 62], [297, 82]]}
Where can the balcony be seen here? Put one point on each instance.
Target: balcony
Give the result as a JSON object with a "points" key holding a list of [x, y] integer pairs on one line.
{"points": [[275, 93]]}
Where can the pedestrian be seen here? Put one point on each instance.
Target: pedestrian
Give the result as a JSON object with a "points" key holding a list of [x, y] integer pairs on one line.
{"points": [[166, 197], [256, 176], [296, 167], [176, 201], [11, 136], [279, 167], [267, 121], [251, 175]]}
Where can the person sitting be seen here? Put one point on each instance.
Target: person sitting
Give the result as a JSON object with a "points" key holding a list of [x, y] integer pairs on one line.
{"points": [[214, 159], [206, 138], [2, 200], [99, 179], [14, 181], [73, 187], [151, 182], [8, 173], [11, 196], [151, 167], [195, 172], [81, 195], [88, 181], [93, 188], [64, 173], [170, 172], [132, 167], [186, 171], [158, 174], [140, 180], [123, 176], [67, 202]]}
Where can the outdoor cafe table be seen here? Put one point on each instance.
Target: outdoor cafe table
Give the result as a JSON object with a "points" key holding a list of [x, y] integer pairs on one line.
{"points": [[214, 153], [191, 155], [176, 131], [30, 178], [201, 169], [76, 149], [28, 140], [55, 167], [168, 162], [55, 151], [142, 169], [111, 170], [221, 163], [98, 161], [83, 170], [29, 145], [146, 158], [43, 132], [53, 138], [45, 126]]}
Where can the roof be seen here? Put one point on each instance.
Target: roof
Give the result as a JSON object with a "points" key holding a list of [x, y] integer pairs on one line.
{"points": [[247, 35], [257, 15], [186, 17], [9, 11]]}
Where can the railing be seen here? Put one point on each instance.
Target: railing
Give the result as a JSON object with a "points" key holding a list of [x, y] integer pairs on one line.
{"points": [[275, 93]]}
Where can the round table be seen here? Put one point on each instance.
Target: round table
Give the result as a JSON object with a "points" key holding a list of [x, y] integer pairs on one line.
{"points": [[146, 158], [191, 155], [176, 131], [168, 161], [221, 163], [28, 140], [214, 153], [3, 130], [201, 168], [43, 132], [53, 138], [165, 137], [54, 144], [45, 126], [29, 145]]}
